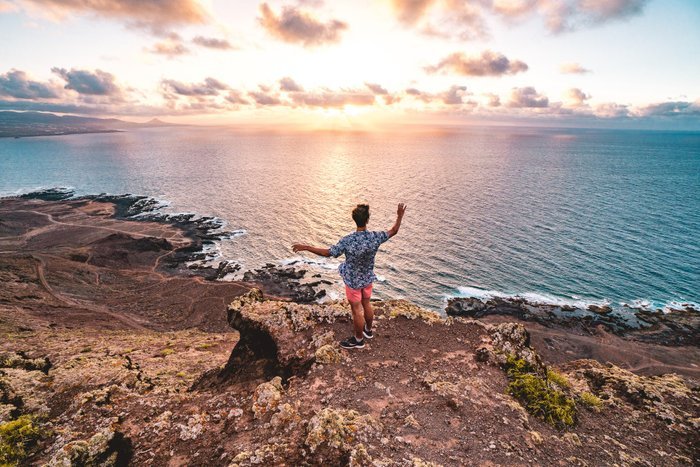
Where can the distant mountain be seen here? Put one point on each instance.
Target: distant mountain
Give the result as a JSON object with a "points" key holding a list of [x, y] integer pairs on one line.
{"points": [[20, 124]]}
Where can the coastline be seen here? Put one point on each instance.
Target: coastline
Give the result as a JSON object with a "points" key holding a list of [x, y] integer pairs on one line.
{"points": [[678, 326], [113, 339]]}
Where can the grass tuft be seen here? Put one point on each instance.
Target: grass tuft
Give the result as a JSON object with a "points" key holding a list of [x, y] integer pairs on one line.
{"points": [[538, 397], [591, 401], [558, 379], [16, 437]]}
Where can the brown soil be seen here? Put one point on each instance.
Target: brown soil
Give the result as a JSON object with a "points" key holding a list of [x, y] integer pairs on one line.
{"points": [[70, 264]]}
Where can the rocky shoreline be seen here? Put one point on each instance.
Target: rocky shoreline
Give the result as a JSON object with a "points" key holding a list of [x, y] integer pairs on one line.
{"points": [[203, 231], [675, 327], [115, 352]]}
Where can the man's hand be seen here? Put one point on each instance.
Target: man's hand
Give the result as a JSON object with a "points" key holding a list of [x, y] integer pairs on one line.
{"points": [[399, 216], [297, 247], [401, 209]]}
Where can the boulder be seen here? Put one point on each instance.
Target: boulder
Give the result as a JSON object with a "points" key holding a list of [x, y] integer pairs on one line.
{"points": [[278, 338], [468, 306], [335, 436]]}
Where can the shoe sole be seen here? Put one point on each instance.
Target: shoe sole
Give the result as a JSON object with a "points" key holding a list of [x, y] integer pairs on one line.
{"points": [[353, 347], [367, 336]]}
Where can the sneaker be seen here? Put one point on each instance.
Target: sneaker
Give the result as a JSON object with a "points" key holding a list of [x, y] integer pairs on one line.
{"points": [[368, 333], [352, 343]]}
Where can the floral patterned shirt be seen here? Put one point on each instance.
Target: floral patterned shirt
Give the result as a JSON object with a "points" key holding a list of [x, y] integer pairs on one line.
{"points": [[359, 248]]}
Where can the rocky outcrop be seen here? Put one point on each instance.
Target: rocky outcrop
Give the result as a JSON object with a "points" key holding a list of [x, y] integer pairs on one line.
{"points": [[106, 448], [671, 327], [666, 397], [287, 282], [278, 338]]}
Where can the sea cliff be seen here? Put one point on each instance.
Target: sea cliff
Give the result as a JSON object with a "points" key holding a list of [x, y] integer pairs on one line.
{"points": [[115, 352]]}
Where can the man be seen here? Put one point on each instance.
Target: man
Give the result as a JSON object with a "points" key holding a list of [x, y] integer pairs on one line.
{"points": [[357, 271]]}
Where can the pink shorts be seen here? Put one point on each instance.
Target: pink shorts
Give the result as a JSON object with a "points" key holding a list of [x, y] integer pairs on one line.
{"points": [[355, 295]]}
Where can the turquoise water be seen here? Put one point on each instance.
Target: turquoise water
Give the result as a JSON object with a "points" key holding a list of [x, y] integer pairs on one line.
{"points": [[552, 215]]}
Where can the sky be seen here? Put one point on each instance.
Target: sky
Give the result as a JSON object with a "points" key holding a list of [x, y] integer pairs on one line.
{"points": [[358, 64]]}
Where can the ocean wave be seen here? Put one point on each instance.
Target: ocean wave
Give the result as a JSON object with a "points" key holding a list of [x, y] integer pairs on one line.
{"points": [[666, 306], [536, 298]]}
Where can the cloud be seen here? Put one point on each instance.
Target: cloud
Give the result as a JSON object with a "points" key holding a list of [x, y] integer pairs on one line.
{"points": [[264, 98], [24, 106], [493, 100], [455, 19], [453, 96], [97, 83], [527, 97], [411, 11], [289, 85], [443, 18], [236, 98], [300, 27], [489, 63], [16, 83], [467, 20], [155, 15], [209, 87], [611, 110], [568, 15], [212, 43], [573, 69], [418, 95], [328, 98], [377, 89], [169, 48], [575, 97], [7, 6], [671, 109]]}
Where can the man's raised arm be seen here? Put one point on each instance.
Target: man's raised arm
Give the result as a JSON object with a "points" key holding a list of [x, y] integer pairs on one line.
{"points": [[399, 216], [297, 247]]}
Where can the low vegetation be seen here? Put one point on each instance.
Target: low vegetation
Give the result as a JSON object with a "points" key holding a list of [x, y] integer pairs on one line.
{"points": [[537, 394], [16, 438], [591, 401], [558, 379]]}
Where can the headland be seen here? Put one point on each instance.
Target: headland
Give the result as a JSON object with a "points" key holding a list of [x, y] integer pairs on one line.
{"points": [[119, 348]]}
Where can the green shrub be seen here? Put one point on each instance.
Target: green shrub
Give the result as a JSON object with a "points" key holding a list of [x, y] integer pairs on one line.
{"points": [[166, 352], [591, 401], [15, 438], [558, 379], [538, 397]]}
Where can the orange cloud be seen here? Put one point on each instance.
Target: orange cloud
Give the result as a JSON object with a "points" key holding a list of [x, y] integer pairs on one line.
{"points": [[527, 97], [573, 69], [155, 15], [487, 64], [297, 26]]}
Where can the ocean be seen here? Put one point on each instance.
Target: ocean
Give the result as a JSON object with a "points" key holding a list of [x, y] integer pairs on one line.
{"points": [[552, 215]]}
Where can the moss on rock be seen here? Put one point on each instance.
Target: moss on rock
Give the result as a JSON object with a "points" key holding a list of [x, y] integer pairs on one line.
{"points": [[16, 438], [536, 394]]}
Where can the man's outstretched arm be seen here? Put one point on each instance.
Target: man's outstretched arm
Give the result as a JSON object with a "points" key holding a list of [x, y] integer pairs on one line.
{"points": [[297, 247], [399, 217]]}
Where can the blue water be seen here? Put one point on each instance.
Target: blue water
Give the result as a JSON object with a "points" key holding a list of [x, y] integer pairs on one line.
{"points": [[553, 215]]}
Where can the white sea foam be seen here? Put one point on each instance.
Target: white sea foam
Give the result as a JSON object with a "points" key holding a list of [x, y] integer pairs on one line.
{"points": [[321, 263], [536, 298], [676, 305], [37, 189]]}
